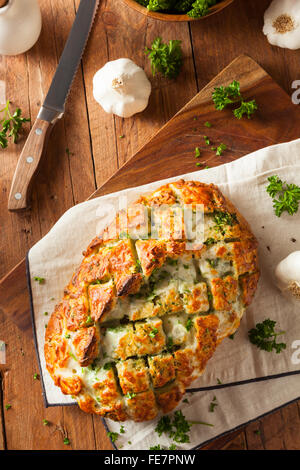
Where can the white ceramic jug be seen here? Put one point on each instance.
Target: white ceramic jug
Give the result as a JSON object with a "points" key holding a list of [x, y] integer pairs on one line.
{"points": [[20, 25]]}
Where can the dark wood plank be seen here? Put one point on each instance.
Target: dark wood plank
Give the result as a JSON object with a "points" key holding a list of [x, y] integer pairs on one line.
{"points": [[173, 146], [238, 30], [71, 181]]}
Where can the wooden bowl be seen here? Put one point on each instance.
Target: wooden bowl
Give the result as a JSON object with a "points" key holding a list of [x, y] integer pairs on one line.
{"points": [[173, 17]]}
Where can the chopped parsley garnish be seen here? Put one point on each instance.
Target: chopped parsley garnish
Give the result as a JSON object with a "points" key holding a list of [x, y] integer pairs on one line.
{"points": [[231, 336], [157, 447], [108, 365], [45, 422], [67, 336], [220, 149], [264, 336], [197, 152], [153, 332], [206, 139], [224, 218], [288, 196], [138, 265], [219, 382], [213, 404], [170, 344], [46, 314], [130, 395], [213, 262], [209, 296], [113, 436], [224, 96], [89, 320], [8, 406], [72, 355], [209, 241], [207, 124], [66, 441], [172, 447], [165, 58], [40, 280], [35, 376], [189, 324], [185, 401], [122, 430]]}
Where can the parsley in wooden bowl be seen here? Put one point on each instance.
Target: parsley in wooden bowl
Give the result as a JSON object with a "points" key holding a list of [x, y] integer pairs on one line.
{"points": [[178, 10]]}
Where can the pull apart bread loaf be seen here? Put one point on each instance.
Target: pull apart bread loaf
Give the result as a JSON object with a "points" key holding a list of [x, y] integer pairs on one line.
{"points": [[142, 316]]}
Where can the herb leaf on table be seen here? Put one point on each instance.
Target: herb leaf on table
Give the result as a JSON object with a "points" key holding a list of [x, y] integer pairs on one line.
{"points": [[288, 195], [224, 96], [264, 336], [246, 107], [165, 58], [11, 125]]}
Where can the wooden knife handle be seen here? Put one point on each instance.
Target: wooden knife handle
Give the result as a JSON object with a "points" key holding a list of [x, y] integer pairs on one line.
{"points": [[19, 196]]}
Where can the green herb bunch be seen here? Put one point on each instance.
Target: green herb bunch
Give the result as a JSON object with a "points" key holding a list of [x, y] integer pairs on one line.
{"points": [[165, 58], [193, 8], [11, 125]]}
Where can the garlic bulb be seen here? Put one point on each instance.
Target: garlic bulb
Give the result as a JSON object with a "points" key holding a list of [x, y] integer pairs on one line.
{"points": [[287, 276], [121, 87], [282, 23]]}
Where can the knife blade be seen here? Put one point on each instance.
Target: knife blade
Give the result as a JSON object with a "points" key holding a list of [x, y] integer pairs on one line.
{"points": [[53, 106]]}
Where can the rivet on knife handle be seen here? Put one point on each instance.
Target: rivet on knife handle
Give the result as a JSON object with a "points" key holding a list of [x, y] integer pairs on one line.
{"points": [[19, 197]]}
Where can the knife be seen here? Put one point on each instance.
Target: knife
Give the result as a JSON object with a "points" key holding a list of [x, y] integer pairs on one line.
{"points": [[53, 106]]}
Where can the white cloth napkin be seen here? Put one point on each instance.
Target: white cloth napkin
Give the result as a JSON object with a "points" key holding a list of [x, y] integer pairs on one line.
{"points": [[244, 181]]}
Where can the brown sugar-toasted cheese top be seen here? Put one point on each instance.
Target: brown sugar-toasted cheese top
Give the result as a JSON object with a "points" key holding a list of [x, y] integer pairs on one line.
{"points": [[144, 311]]}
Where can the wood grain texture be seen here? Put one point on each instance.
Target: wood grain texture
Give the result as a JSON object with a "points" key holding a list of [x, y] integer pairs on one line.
{"points": [[27, 166], [85, 150]]}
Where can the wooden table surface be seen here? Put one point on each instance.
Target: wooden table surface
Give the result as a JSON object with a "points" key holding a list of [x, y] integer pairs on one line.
{"points": [[86, 149]]}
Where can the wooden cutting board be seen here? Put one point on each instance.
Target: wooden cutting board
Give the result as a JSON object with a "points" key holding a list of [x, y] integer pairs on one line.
{"points": [[171, 151]]}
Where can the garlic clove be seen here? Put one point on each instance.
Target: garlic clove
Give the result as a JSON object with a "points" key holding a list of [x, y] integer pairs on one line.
{"points": [[287, 274], [282, 23], [121, 87]]}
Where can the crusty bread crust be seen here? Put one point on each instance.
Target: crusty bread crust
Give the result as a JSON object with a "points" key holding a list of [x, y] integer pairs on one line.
{"points": [[140, 318]]}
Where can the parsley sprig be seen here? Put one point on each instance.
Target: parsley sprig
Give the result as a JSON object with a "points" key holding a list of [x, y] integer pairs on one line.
{"points": [[246, 107], [11, 125], [286, 197], [165, 58], [231, 94], [223, 96], [177, 428], [264, 336]]}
